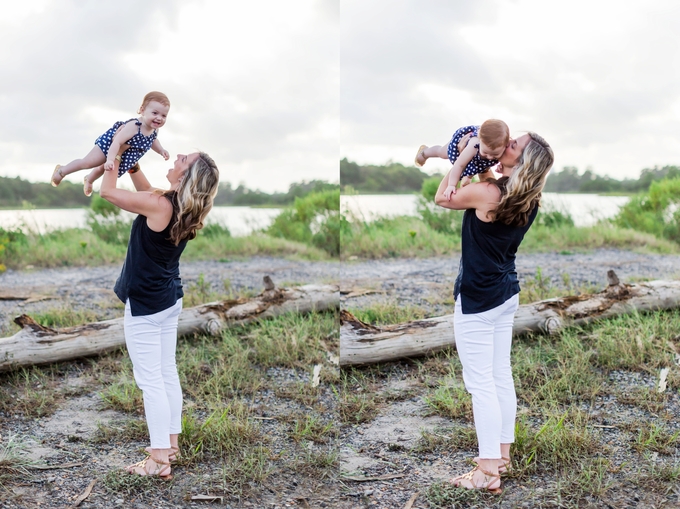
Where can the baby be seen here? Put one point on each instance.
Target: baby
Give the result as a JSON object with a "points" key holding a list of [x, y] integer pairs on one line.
{"points": [[486, 144], [136, 135]]}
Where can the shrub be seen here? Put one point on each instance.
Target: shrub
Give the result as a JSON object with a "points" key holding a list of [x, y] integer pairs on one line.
{"points": [[656, 212], [438, 218], [106, 222], [10, 242], [314, 219]]}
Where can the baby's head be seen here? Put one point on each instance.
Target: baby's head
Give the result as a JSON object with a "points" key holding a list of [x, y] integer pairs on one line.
{"points": [[493, 136], [159, 97], [154, 110]]}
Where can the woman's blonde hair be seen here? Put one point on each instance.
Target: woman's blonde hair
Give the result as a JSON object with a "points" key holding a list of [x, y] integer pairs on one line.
{"points": [[193, 198], [521, 192]]}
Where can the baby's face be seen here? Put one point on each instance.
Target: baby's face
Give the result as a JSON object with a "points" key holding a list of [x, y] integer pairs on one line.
{"points": [[154, 114], [488, 153]]}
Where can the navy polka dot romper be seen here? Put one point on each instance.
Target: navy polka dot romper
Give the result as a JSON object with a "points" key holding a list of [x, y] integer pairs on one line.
{"points": [[478, 164], [139, 145]]}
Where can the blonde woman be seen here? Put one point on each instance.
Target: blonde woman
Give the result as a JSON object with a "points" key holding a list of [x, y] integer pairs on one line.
{"points": [[497, 215], [150, 287]]}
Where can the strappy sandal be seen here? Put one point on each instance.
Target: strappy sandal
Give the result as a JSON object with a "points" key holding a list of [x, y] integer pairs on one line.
{"points": [[489, 480], [87, 187], [162, 469], [418, 154], [57, 171], [172, 455], [504, 466]]}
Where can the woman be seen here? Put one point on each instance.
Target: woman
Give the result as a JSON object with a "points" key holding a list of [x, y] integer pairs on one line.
{"points": [[497, 215], [150, 287]]}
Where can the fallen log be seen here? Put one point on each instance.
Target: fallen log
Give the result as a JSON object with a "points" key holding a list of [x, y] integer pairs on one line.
{"points": [[361, 343], [35, 344]]}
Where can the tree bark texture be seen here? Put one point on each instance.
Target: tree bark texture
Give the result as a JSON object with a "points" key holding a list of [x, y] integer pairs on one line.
{"points": [[361, 343], [35, 344]]}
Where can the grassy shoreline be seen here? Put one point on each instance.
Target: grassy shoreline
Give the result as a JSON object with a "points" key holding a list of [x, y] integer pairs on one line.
{"points": [[413, 237]]}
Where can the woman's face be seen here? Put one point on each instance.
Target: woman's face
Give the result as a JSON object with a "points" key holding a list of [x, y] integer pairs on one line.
{"points": [[182, 164], [514, 150]]}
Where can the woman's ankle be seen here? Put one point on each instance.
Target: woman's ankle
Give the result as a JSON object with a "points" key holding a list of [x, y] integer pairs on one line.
{"points": [[490, 465]]}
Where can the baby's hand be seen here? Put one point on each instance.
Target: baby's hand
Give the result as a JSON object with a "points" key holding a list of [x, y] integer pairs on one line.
{"points": [[165, 154], [465, 181], [449, 192], [108, 166]]}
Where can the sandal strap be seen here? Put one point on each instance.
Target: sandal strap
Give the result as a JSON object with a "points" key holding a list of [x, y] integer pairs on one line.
{"points": [[487, 473]]}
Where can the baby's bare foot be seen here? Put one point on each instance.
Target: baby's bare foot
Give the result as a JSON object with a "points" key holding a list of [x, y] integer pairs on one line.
{"points": [[87, 187]]}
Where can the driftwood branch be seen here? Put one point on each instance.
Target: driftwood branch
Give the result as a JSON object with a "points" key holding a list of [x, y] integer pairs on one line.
{"points": [[361, 343], [35, 344]]}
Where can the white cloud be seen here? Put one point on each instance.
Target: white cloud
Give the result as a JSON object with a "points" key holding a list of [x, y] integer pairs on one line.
{"points": [[597, 79], [251, 83]]}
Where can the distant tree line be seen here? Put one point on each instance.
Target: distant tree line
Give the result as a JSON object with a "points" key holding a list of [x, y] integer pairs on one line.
{"points": [[241, 195], [397, 178], [18, 193], [568, 180], [389, 178]]}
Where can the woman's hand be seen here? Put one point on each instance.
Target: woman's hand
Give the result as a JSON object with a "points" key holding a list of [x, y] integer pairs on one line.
{"points": [[463, 142]]}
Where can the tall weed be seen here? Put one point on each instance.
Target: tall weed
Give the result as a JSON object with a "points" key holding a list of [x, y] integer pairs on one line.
{"points": [[656, 212], [106, 222], [314, 220]]}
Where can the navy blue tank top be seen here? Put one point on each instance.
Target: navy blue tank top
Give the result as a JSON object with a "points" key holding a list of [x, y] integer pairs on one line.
{"points": [[150, 274], [487, 275]]}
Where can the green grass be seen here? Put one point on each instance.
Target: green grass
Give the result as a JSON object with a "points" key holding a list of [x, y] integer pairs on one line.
{"points": [[13, 460], [385, 313], [564, 454], [29, 392], [411, 236], [75, 247], [403, 236]]}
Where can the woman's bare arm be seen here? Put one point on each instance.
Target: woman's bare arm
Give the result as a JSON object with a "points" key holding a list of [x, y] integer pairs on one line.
{"points": [[481, 196], [155, 207]]}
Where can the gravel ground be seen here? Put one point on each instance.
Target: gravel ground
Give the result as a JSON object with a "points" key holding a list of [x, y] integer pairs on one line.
{"points": [[92, 288], [387, 444], [428, 283]]}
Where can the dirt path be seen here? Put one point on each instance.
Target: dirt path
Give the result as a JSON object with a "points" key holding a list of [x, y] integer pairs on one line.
{"points": [[390, 443]]}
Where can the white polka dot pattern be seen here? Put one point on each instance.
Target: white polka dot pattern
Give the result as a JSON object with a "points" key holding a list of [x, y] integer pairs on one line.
{"points": [[139, 145], [478, 164]]}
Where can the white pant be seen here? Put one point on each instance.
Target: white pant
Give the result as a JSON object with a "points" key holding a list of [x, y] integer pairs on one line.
{"points": [[483, 342], [151, 341]]}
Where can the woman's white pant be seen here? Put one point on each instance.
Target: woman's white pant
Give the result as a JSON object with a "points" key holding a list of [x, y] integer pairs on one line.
{"points": [[151, 341], [483, 341]]}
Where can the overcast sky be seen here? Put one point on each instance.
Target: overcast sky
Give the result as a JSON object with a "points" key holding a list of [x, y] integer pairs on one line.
{"points": [[275, 91], [255, 84], [599, 79]]}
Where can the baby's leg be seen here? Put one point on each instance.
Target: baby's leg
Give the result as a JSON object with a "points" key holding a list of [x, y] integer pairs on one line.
{"points": [[425, 152], [95, 158], [89, 179], [440, 151]]}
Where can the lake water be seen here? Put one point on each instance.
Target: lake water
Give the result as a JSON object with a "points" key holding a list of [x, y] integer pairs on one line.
{"points": [[239, 220], [585, 209]]}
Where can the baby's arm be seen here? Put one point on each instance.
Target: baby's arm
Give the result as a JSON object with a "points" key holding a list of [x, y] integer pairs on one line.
{"points": [[463, 160], [120, 139], [158, 148]]}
